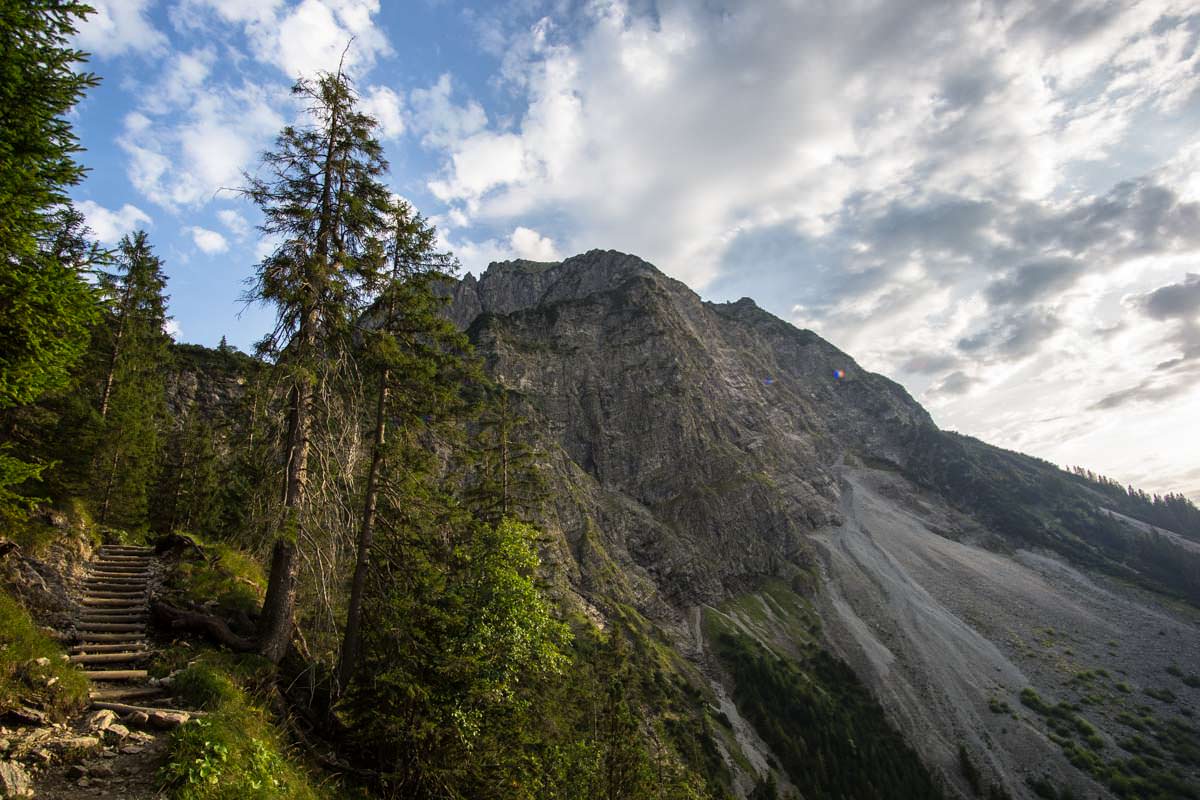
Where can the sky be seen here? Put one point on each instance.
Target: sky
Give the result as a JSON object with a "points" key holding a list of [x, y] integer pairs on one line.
{"points": [[995, 203]]}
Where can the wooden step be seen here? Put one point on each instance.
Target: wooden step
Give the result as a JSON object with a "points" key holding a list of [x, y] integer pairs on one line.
{"points": [[101, 638], [85, 628], [94, 595], [107, 602], [124, 657], [119, 569], [126, 693], [116, 647], [121, 558], [119, 575], [117, 674]]}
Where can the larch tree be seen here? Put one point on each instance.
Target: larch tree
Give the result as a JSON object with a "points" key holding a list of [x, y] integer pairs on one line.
{"points": [[322, 198]]}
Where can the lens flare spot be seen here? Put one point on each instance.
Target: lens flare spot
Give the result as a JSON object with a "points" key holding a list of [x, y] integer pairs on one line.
{"points": [[838, 374]]}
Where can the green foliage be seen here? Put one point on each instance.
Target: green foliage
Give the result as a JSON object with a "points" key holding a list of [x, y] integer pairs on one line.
{"points": [[230, 579], [1162, 695], [232, 753], [474, 628], [322, 197], [57, 686], [188, 490], [45, 306], [829, 733], [1146, 776]]}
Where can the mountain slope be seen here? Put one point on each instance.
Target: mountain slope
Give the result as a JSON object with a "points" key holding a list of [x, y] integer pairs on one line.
{"points": [[713, 467]]}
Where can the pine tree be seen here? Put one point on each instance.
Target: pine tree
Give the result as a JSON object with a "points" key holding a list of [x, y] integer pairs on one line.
{"points": [[324, 200], [416, 358], [46, 307], [131, 405]]}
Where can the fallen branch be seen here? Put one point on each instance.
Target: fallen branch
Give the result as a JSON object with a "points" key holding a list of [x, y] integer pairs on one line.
{"points": [[215, 628]]}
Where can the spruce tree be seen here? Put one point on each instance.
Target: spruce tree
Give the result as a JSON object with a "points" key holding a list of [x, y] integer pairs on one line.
{"points": [[131, 407], [46, 306], [323, 199], [415, 357]]}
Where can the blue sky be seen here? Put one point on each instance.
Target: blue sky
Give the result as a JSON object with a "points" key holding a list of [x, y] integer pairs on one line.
{"points": [[996, 203]]}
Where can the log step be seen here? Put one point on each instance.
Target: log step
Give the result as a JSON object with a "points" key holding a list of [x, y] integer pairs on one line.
{"points": [[116, 602], [102, 638], [114, 647], [126, 693], [117, 674], [119, 575], [92, 595], [110, 627], [127, 656]]}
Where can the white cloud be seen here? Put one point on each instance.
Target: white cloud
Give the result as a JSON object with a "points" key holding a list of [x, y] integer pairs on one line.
{"points": [[173, 329], [234, 221], [531, 245], [387, 108], [209, 242], [110, 226], [118, 27], [917, 181], [440, 120], [184, 151]]}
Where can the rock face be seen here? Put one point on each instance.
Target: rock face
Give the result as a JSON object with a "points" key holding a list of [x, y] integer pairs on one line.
{"points": [[699, 451], [692, 427]]}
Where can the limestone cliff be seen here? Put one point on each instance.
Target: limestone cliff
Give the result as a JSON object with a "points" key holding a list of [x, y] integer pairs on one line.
{"points": [[707, 457]]}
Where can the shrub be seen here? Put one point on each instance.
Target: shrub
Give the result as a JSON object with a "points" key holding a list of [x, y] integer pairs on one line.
{"points": [[56, 685], [232, 753]]}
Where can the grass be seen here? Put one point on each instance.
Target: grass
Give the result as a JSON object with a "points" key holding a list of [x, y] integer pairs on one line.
{"points": [[231, 578], [53, 685], [234, 752]]}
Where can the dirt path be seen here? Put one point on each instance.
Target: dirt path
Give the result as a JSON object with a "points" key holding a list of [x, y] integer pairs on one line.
{"points": [[115, 749]]}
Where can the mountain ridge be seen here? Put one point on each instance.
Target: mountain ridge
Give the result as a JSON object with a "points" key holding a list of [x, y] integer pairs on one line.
{"points": [[699, 452]]}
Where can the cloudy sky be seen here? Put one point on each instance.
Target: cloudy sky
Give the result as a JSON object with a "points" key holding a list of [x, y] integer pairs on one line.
{"points": [[997, 204]]}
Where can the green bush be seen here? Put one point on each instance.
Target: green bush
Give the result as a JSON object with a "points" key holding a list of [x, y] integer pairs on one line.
{"points": [[233, 752], [231, 577], [57, 686]]}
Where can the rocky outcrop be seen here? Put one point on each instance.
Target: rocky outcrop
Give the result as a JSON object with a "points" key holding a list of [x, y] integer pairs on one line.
{"points": [[698, 452], [697, 438]]}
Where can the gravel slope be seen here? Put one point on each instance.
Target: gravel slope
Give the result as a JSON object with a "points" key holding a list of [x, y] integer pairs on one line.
{"points": [[940, 627]]}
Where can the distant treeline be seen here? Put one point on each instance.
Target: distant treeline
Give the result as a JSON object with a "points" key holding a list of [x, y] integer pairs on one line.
{"points": [[1171, 511], [1033, 503]]}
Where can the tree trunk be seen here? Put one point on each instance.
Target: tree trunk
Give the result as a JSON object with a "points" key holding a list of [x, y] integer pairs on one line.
{"points": [[351, 640], [279, 606]]}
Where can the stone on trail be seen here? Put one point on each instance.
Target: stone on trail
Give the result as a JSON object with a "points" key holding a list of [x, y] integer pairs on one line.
{"points": [[14, 781], [101, 720]]}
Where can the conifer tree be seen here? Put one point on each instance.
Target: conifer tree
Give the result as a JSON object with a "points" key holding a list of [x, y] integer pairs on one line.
{"points": [[131, 406], [190, 484], [415, 357], [323, 198], [46, 307], [506, 481]]}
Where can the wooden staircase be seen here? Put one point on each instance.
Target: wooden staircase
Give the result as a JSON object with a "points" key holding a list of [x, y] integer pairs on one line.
{"points": [[111, 626]]}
